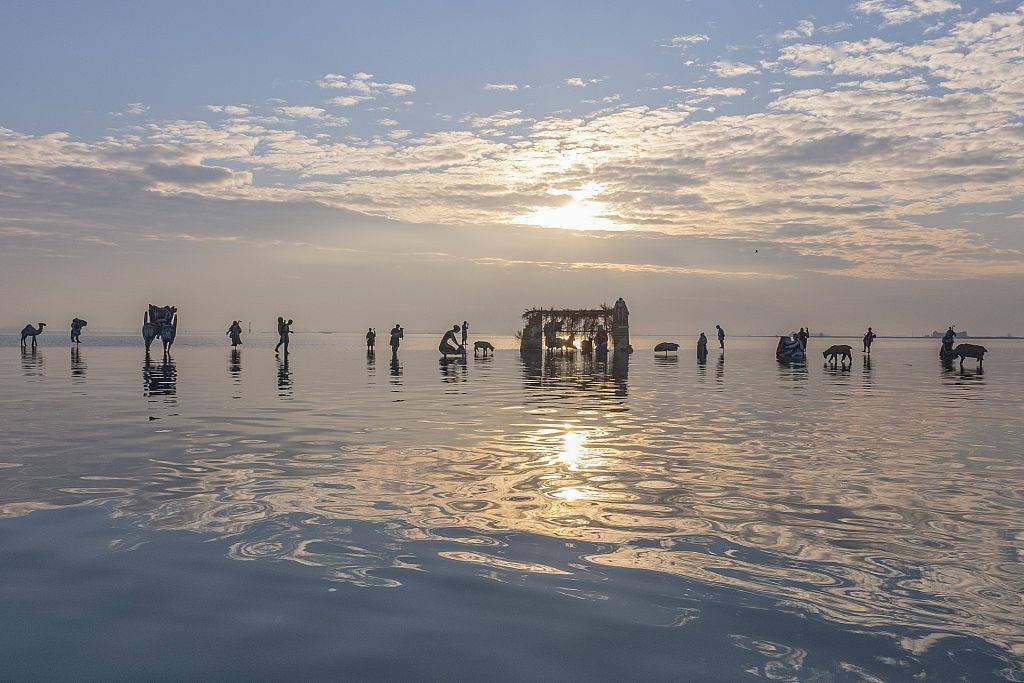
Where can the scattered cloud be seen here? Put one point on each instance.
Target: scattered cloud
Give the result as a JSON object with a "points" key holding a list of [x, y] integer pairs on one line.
{"points": [[902, 11], [687, 39], [502, 87], [803, 29], [231, 109], [579, 82], [727, 69], [363, 84], [132, 109]]}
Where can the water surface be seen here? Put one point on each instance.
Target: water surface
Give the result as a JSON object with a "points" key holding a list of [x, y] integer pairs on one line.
{"points": [[233, 514]]}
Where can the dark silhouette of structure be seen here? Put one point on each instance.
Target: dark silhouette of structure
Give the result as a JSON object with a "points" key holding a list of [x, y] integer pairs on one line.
{"points": [[76, 330], [235, 332], [666, 347], [869, 337], [836, 351], [449, 346], [790, 349], [29, 331], [284, 331], [552, 328]]}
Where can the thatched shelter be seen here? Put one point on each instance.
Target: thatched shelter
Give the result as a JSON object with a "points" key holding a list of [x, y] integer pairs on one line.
{"points": [[542, 324]]}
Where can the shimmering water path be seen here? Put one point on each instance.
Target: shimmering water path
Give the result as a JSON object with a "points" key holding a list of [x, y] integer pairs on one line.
{"points": [[231, 515]]}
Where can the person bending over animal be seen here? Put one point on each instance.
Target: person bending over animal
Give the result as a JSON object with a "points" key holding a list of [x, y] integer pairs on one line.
{"points": [[483, 346], [834, 352], [449, 346], [33, 332]]}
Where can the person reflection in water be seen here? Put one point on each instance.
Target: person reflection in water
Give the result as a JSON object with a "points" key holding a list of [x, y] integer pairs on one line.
{"points": [[235, 332], [449, 346], [235, 364], [284, 377], [284, 330]]}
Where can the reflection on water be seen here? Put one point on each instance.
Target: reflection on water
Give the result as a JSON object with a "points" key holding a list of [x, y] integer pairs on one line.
{"points": [[284, 377], [78, 364], [32, 361], [886, 501]]}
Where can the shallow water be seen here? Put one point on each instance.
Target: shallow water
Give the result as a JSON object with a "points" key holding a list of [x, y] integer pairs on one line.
{"points": [[222, 514]]}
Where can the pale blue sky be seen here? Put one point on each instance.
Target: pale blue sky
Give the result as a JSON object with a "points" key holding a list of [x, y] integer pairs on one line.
{"points": [[869, 150]]}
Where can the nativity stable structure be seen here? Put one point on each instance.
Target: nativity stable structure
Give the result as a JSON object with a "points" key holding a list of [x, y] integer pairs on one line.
{"points": [[560, 328]]}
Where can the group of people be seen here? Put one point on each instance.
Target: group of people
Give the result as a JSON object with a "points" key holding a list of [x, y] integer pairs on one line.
{"points": [[396, 336], [702, 342]]}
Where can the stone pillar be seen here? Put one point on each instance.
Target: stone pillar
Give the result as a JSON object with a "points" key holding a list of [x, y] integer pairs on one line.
{"points": [[532, 338], [620, 329]]}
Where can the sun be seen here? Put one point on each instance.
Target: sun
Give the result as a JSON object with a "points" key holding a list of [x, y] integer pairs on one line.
{"points": [[581, 212]]}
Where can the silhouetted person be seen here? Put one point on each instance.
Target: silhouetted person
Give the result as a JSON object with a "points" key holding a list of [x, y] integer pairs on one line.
{"points": [[465, 333], [601, 341], [235, 332], [29, 331], [721, 337], [802, 335], [449, 346], [76, 330], [702, 347], [284, 330], [371, 339], [947, 342], [869, 337], [397, 333]]}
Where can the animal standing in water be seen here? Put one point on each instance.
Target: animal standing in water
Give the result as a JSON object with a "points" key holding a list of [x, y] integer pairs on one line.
{"points": [[834, 352], [975, 351], [29, 331], [76, 330], [156, 321], [484, 347]]}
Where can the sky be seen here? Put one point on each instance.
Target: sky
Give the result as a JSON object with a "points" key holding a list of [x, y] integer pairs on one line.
{"points": [[762, 165]]}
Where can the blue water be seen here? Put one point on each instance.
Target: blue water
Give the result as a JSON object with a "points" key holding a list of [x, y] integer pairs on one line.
{"points": [[230, 515]]}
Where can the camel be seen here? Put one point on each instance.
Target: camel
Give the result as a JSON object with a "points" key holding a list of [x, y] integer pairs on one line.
{"points": [[33, 332], [834, 352], [483, 346], [962, 351], [167, 332], [666, 347], [160, 322]]}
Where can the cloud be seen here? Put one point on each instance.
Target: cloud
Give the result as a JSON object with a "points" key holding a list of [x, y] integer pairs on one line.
{"points": [[132, 109], [348, 100], [727, 69], [390, 123], [579, 82], [502, 87], [363, 83], [803, 29], [686, 40], [232, 109], [902, 11]]}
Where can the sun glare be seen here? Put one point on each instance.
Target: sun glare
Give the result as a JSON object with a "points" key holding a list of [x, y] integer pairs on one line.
{"points": [[581, 212]]}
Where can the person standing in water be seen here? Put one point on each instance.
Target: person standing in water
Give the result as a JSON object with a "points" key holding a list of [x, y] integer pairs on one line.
{"points": [[449, 346], [235, 332], [76, 330], [465, 333], [371, 339], [869, 337], [284, 331], [803, 335], [396, 339], [721, 337], [702, 347]]}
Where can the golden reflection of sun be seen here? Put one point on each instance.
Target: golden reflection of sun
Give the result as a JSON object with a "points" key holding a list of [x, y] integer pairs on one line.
{"points": [[581, 212], [572, 449]]}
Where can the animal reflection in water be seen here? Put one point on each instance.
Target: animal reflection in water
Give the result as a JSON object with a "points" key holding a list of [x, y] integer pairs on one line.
{"points": [[32, 361], [159, 379], [284, 377]]}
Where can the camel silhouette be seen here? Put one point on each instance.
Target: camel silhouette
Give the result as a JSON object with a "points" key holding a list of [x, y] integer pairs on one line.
{"points": [[33, 332]]}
